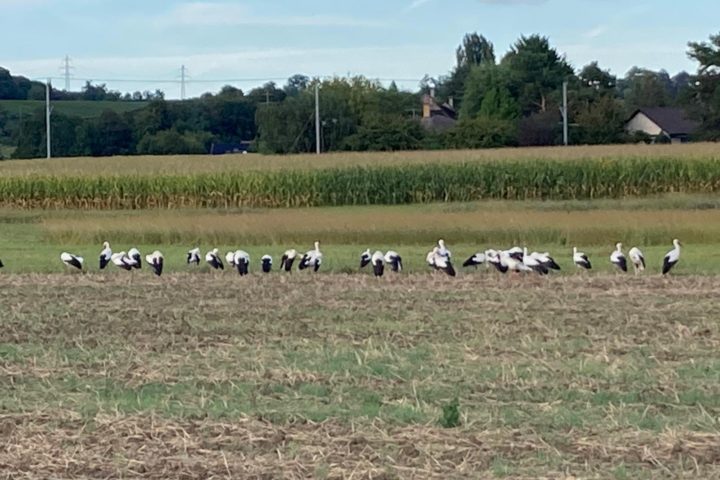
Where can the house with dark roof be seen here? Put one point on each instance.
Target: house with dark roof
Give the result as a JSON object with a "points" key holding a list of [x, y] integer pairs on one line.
{"points": [[671, 124], [438, 117], [222, 148]]}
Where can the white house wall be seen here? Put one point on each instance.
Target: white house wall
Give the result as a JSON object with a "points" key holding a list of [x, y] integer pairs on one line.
{"points": [[642, 123]]}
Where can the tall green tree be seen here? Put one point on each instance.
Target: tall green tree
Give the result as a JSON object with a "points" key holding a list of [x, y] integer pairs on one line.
{"points": [[487, 94], [703, 94], [296, 84], [600, 122], [646, 88], [474, 50], [286, 127], [536, 71]]}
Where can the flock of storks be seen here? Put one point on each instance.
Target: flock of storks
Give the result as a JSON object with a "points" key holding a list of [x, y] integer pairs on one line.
{"points": [[239, 259], [515, 259], [518, 259]]}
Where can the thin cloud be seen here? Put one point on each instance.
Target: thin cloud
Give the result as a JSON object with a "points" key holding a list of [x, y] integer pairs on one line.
{"points": [[21, 3], [417, 4], [224, 14], [596, 31]]}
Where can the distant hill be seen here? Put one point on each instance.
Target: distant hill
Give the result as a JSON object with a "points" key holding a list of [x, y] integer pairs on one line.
{"points": [[11, 111], [75, 108]]}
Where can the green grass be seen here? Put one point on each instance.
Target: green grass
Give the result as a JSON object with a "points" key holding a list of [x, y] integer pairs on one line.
{"points": [[31, 241]]}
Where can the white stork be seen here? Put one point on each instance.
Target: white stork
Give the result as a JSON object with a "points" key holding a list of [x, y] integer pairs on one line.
{"points": [[581, 260], [515, 252], [509, 258], [71, 260], [193, 256], [135, 256], [230, 259], [618, 259], [287, 260], [638, 259], [441, 261], [671, 258], [442, 250], [155, 260], [378, 263], [365, 258], [545, 258], [105, 255], [430, 257], [477, 259], [122, 260], [213, 259], [241, 260], [312, 258], [394, 259], [533, 263], [494, 259], [267, 262]]}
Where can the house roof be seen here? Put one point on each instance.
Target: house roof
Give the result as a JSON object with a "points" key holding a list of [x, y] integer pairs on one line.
{"points": [[673, 121], [439, 109]]}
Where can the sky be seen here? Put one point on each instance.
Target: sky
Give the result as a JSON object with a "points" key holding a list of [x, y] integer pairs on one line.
{"points": [[142, 44]]}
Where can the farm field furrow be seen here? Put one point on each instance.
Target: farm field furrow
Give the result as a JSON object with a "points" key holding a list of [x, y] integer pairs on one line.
{"points": [[338, 375]]}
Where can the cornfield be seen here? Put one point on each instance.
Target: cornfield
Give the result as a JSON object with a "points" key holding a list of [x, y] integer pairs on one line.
{"points": [[371, 185]]}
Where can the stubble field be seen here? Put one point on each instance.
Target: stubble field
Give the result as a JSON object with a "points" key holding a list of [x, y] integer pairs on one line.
{"points": [[339, 376]]}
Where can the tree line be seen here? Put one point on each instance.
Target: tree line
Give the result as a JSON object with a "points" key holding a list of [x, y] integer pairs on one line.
{"points": [[509, 101]]}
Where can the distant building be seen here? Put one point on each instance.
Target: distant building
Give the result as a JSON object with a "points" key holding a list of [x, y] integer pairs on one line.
{"points": [[661, 123], [438, 117], [223, 148]]}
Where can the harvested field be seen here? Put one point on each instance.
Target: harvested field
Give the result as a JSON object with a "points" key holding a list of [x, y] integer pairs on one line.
{"points": [[338, 376]]}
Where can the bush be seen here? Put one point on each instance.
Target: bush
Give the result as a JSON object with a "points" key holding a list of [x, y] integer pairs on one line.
{"points": [[386, 134], [482, 132], [170, 142]]}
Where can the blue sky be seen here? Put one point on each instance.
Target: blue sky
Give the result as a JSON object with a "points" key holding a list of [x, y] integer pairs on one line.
{"points": [[221, 40]]}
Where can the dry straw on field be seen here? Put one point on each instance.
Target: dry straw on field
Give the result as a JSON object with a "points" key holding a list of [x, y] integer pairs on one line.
{"points": [[339, 376], [482, 223]]}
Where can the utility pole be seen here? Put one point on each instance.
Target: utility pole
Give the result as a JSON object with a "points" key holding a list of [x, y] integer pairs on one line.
{"points": [[564, 111], [317, 118], [47, 116], [66, 72], [182, 82]]}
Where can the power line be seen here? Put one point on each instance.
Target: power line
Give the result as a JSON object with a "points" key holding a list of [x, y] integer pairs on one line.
{"points": [[209, 80]]}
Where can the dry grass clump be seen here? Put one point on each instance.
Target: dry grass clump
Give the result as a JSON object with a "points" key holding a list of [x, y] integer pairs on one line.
{"points": [[60, 444]]}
